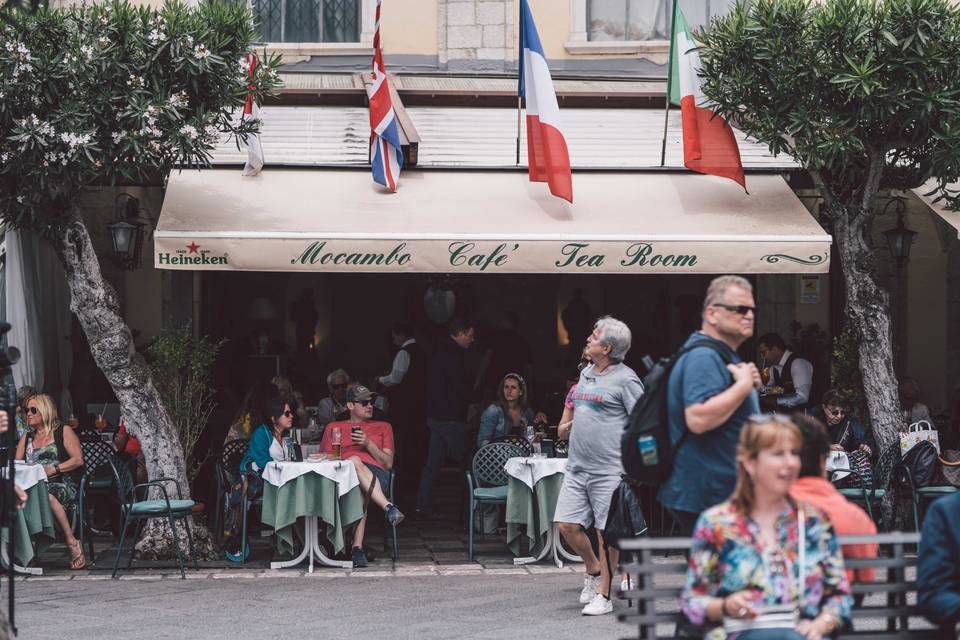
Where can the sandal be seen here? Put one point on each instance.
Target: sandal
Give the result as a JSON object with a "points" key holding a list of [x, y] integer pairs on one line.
{"points": [[77, 561]]}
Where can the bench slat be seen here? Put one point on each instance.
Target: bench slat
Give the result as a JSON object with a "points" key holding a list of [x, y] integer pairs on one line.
{"points": [[883, 587], [650, 568], [879, 563]]}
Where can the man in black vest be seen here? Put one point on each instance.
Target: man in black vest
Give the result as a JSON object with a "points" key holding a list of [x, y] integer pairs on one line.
{"points": [[788, 371], [405, 387]]}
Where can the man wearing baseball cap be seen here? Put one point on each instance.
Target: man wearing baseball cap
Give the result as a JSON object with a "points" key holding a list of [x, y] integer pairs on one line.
{"points": [[368, 444]]}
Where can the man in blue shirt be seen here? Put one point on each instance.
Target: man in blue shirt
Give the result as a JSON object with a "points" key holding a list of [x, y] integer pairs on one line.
{"points": [[938, 566], [709, 397]]}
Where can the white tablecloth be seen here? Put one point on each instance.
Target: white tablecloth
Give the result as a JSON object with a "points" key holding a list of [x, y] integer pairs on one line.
{"points": [[340, 471], [27, 475], [531, 470]]}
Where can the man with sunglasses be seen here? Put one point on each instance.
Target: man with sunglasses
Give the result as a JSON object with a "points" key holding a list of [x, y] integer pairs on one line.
{"points": [[846, 433], [368, 444], [335, 404], [710, 395]]}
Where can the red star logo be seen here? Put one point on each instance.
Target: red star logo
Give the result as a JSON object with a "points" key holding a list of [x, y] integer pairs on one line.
{"points": [[193, 246]]}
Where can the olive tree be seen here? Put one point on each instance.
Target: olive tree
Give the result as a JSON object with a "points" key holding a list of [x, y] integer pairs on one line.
{"points": [[115, 94], [864, 94]]}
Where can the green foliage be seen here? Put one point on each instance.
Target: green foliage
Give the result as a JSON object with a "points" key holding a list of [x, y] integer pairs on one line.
{"points": [[109, 93], [843, 84], [845, 373], [182, 368]]}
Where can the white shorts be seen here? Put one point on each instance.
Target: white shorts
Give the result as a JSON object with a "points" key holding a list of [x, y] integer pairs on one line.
{"points": [[585, 498]]}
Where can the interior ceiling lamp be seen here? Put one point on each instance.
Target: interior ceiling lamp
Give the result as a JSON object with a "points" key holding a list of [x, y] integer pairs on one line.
{"points": [[126, 231], [900, 237], [439, 301]]}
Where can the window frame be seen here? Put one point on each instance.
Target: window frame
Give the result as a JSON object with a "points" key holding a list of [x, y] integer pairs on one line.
{"points": [[292, 52]]}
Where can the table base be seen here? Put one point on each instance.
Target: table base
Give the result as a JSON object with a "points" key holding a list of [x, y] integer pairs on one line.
{"points": [[551, 547], [5, 561], [313, 549]]}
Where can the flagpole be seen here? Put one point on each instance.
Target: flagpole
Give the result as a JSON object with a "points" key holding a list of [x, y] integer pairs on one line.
{"points": [[666, 110], [519, 74]]}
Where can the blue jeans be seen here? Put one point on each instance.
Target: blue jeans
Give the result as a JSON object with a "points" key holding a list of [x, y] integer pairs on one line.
{"points": [[447, 438]]}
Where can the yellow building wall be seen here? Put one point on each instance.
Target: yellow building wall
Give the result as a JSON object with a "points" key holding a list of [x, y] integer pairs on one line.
{"points": [[409, 27]]}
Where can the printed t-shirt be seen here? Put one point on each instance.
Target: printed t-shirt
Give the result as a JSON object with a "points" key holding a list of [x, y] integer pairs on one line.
{"points": [[602, 406]]}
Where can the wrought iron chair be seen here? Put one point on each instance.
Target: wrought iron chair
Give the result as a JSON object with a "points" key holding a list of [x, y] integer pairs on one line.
{"points": [[97, 479], [141, 510], [487, 481], [519, 441], [561, 448], [227, 471], [920, 496], [872, 496]]}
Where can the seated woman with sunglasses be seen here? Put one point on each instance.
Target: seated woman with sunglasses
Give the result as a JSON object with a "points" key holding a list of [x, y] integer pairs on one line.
{"points": [[761, 565], [266, 445], [57, 448], [846, 433]]}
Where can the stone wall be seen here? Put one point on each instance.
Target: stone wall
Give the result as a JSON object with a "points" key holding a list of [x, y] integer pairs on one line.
{"points": [[477, 35]]}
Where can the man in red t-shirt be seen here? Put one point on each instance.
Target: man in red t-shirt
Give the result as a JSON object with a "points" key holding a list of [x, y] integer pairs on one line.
{"points": [[369, 445]]}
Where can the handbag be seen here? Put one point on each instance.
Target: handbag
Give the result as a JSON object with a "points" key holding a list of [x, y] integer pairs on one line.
{"points": [[916, 433], [860, 465], [838, 465], [950, 467], [777, 616]]}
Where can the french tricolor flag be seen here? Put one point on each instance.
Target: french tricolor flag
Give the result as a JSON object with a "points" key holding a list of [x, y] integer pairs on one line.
{"points": [[547, 157]]}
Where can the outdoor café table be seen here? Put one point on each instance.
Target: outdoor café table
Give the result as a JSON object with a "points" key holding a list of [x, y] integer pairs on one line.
{"points": [[533, 487], [34, 523], [327, 491]]}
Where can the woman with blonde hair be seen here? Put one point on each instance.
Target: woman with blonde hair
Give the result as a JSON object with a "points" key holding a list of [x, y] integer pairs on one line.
{"points": [[57, 448], [761, 565]]}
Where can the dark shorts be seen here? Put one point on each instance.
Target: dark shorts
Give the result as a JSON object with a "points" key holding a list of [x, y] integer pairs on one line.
{"points": [[382, 476]]}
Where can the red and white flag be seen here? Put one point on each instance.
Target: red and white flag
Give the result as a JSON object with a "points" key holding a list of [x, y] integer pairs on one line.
{"points": [[709, 145], [547, 157], [251, 111]]}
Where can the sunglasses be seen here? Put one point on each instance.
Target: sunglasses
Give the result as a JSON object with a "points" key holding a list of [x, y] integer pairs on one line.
{"points": [[836, 412], [740, 309], [33, 410], [342, 385], [363, 403], [288, 414]]}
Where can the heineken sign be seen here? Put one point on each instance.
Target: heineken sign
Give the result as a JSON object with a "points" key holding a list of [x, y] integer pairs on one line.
{"points": [[338, 255]]}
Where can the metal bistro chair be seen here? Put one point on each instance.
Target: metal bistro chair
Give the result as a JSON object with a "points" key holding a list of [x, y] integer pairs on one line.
{"points": [[920, 496], [872, 496], [389, 529], [561, 448], [227, 471], [519, 441], [487, 483], [140, 510], [97, 479]]}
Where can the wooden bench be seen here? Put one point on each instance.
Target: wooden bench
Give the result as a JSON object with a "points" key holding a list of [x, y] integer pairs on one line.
{"points": [[662, 578]]}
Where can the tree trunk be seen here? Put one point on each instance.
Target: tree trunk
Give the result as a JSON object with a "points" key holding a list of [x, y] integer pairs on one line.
{"points": [[868, 309], [97, 308]]}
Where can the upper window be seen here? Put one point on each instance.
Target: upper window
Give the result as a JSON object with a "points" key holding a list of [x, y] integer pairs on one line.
{"points": [[633, 20], [307, 20]]}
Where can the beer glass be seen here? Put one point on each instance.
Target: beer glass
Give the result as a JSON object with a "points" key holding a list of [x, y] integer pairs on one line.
{"points": [[335, 438]]}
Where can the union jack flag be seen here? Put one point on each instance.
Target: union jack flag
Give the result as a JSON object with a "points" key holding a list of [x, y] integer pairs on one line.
{"points": [[386, 157]]}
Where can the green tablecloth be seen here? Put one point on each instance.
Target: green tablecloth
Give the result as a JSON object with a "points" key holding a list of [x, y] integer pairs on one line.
{"points": [[535, 514], [34, 525], [310, 495]]}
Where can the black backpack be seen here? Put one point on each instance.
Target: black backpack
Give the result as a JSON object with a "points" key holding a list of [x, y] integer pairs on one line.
{"points": [[646, 451], [921, 463]]}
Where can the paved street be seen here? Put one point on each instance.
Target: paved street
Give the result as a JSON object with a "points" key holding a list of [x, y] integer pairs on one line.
{"points": [[362, 605]]}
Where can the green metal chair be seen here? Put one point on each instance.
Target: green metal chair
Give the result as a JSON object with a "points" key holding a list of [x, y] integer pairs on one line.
{"points": [[920, 496], [872, 496], [137, 510], [226, 472], [97, 479], [487, 481]]}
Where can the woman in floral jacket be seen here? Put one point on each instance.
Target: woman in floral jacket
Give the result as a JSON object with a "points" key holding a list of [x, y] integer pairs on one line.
{"points": [[745, 550]]}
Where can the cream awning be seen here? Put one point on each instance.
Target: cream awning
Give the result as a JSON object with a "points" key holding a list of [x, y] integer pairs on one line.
{"points": [[484, 222], [940, 208]]}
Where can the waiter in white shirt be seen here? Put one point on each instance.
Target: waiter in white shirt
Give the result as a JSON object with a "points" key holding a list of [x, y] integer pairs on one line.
{"points": [[787, 370]]}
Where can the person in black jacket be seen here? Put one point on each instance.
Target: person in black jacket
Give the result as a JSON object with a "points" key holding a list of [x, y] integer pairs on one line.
{"points": [[846, 433], [938, 569], [448, 395]]}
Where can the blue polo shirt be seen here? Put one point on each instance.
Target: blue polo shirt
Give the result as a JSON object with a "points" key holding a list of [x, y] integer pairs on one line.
{"points": [[705, 467]]}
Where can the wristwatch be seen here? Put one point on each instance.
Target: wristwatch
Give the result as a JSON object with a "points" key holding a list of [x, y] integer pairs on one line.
{"points": [[56, 469]]}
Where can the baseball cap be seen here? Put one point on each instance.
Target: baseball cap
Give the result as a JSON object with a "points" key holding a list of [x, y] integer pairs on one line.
{"points": [[359, 393]]}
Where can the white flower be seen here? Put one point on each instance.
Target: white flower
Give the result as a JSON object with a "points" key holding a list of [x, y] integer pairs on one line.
{"points": [[190, 131], [189, 39], [104, 41], [74, 140], [118, 136], [10, 46], [87, 52], [244, 66], [178, 100], [137, 82], [20, 199], [155, 36], [200, 52], [67, 58]]}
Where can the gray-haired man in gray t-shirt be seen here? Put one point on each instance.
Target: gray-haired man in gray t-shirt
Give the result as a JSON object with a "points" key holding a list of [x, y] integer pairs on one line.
{"points": [[603, 400]]}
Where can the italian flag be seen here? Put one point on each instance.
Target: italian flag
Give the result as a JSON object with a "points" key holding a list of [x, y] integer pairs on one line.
{"points": [[708, 142]]}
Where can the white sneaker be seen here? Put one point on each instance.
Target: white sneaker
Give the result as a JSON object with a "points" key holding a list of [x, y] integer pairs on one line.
{"points": [[590, 586], [626, 584], [599, 606]]}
